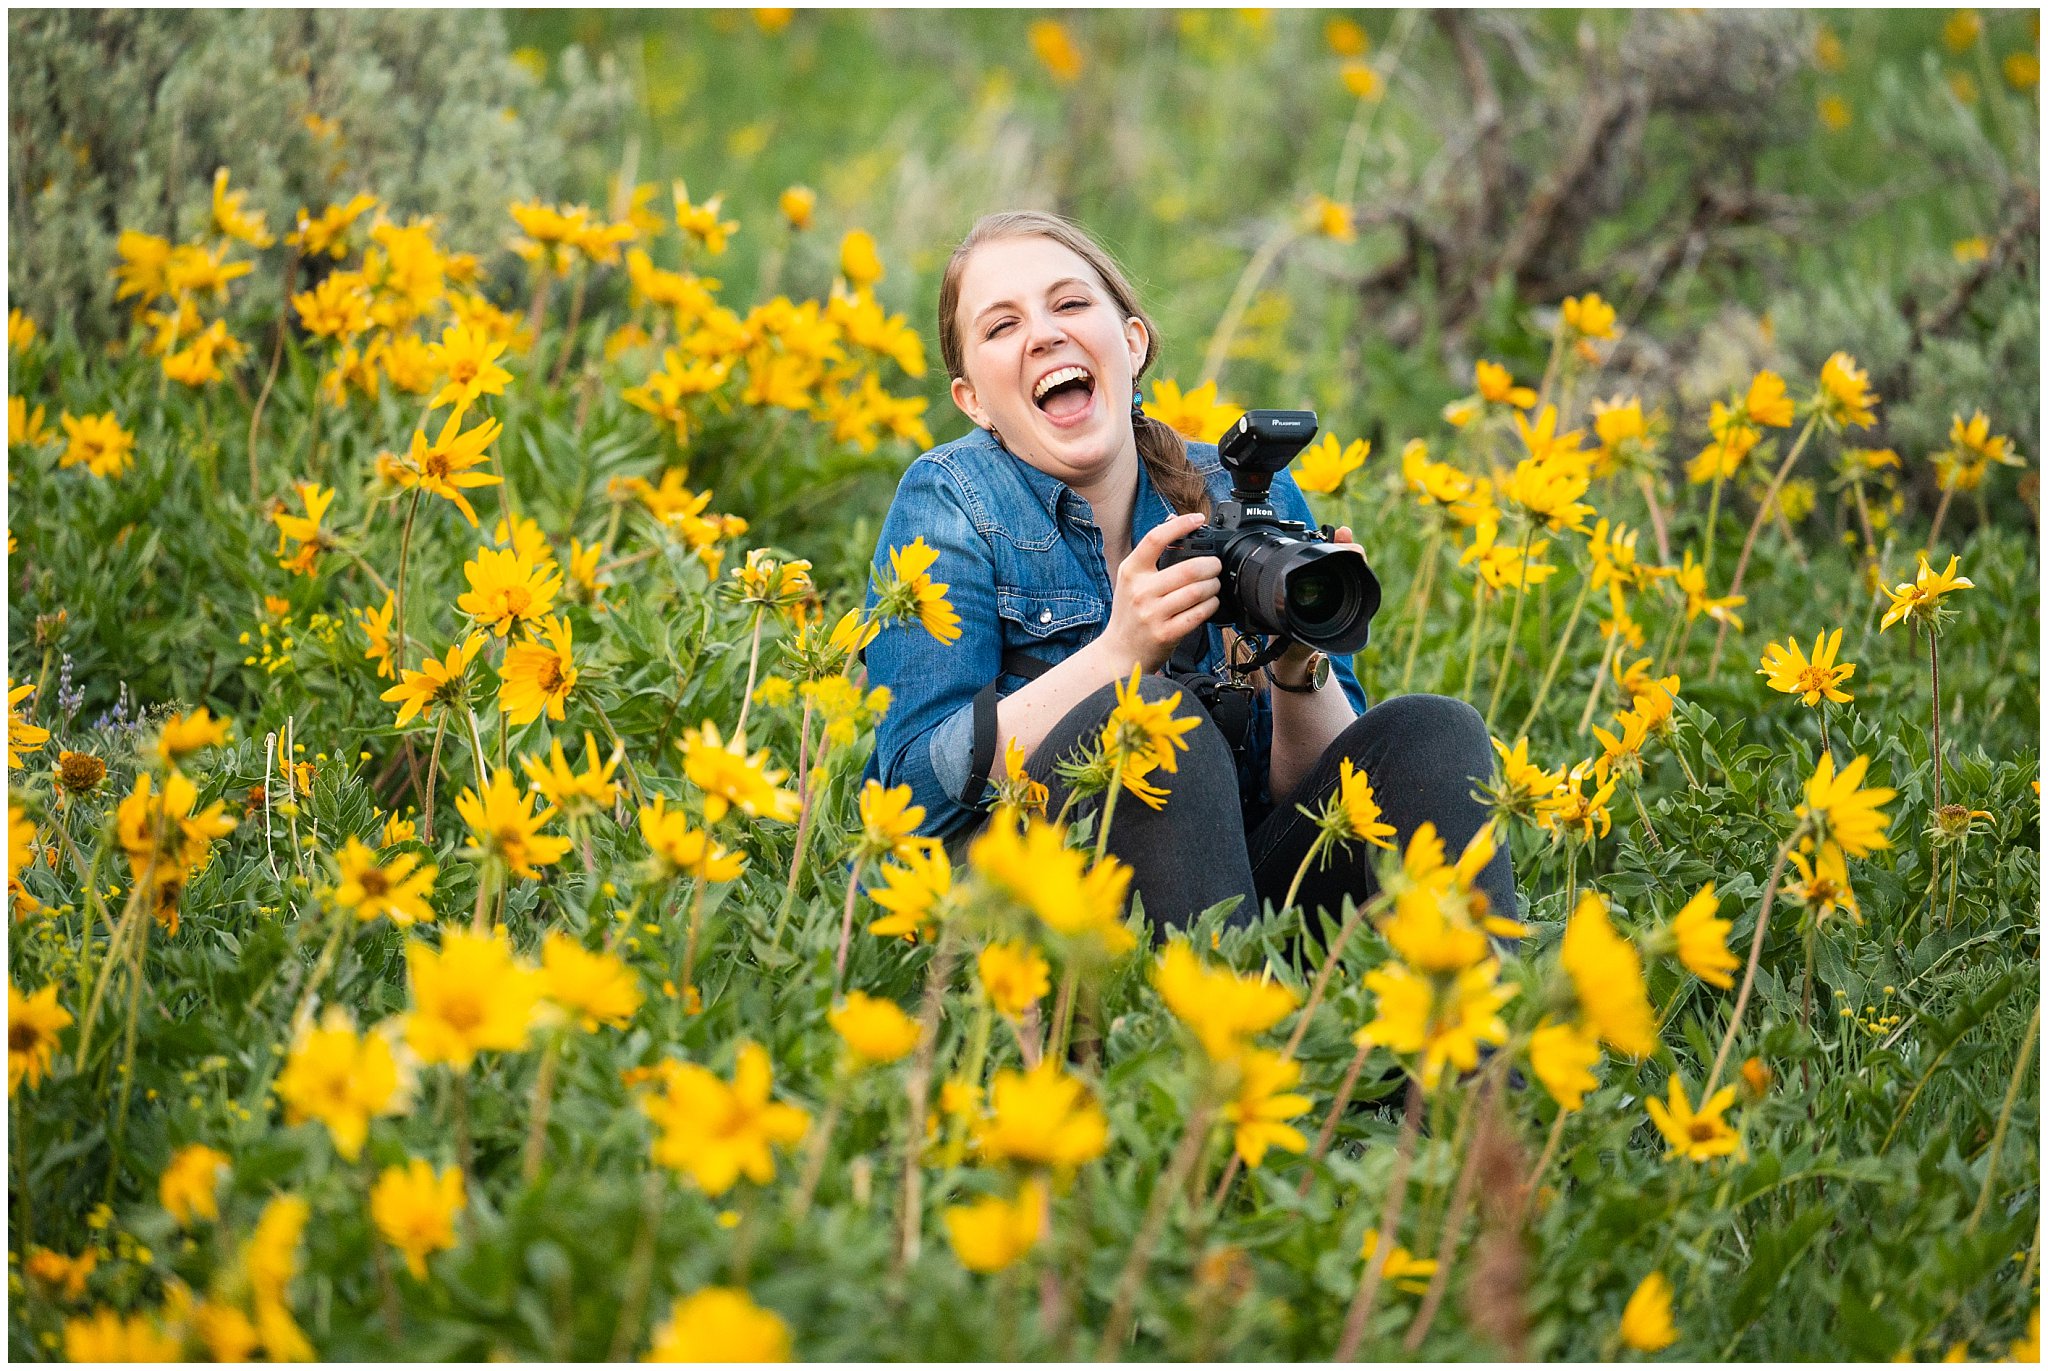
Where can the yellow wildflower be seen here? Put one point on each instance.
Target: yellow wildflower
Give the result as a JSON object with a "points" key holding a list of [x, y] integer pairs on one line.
{"points": [[1496, 385], [437, 684], [797, 204], [1563, 1056], [1402, 1269], [589, 791], [342, 1079], [1223, 1009], [1053, 44], [1607, 973], [717, 1132], [719, 1324], [1589, 316], [1839, 811], [595, 989], [731, 779], [1014, 976], [503, 827], [231, 219], [992, 1233], [1646, 1319], [414, 1209], [507, 589], [33, 1025], [876, 1032], [1036, 868], [911, 592], [682, 850], [1920, 599], [188, 1188], [1845, 398], [1787, 669], [1259, 1111], [184, 734], [1697, 1137], [1823, 884], [1198, 415], [443, 467], [1444, 1023], [397, 890], [1042, 1117], [914, 891], [471, 996], [1703, 939], [106, 1336], [1322, 467], [98, 443], [538, 675]]}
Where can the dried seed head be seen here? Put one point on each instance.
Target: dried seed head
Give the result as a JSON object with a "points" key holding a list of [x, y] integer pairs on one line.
{"points": [[80, 773]]}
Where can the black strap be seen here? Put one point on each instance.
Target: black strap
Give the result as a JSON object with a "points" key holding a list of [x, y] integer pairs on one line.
{"points": [[984, 758]]}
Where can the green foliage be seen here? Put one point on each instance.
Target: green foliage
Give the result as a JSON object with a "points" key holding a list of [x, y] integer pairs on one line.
{"points": [[120, 117], [1885, 1196]]}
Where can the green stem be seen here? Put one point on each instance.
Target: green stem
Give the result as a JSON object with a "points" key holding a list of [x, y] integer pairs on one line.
{"points": [[1564, 642], [1507, 648], [1108, 813], [399, 648], [1420, 608], [1713, 518], [543, 1096], [1756, 952], [1472, 652], [1314, 850], [1323, 974], [846, 927], [2012, 1091]]}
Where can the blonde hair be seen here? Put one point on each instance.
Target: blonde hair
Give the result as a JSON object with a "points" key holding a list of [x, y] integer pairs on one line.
{"points": [[1160, 447]]}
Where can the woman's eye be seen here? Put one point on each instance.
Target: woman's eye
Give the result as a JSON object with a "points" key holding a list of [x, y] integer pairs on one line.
{"points": [[1073, 304], [997, 329]]}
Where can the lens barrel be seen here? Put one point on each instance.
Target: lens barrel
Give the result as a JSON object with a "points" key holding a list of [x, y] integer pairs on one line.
{"points": [[1310, 591]]}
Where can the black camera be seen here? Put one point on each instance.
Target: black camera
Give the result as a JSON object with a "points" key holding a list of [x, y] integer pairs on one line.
{"points": [[1282, 579]]}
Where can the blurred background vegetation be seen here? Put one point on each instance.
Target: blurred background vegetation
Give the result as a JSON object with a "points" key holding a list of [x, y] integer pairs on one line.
{"points": [[1745, 186], [1749, 188]]}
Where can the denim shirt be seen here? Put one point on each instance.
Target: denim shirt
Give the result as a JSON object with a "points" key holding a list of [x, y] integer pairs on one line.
{"points": [[1021, 556]]}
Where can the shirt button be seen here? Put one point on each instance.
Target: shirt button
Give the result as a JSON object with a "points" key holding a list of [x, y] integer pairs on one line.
{"points": [[1045, 616]]}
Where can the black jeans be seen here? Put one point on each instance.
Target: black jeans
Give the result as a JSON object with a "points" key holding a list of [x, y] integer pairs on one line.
{"points": [[1423, 753]]}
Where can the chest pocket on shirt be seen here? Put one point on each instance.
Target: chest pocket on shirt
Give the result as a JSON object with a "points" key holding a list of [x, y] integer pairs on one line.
{"points": [[1057, 621]]}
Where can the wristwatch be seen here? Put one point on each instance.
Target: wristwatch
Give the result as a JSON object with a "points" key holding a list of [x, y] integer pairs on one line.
{"points": [[1318, 676]]}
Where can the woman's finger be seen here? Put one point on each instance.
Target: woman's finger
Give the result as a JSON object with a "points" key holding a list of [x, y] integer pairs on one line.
{"points": [[1178, 600]]}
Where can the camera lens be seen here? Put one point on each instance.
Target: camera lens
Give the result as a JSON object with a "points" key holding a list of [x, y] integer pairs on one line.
{"points": [[1315, 595], [1308, 590]]}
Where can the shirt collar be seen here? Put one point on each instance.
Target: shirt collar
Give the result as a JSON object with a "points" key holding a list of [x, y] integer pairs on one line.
{"points": [[1148, 510]]}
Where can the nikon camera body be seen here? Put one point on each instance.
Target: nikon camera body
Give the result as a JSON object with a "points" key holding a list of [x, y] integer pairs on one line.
{"points": [[1281, 579]]}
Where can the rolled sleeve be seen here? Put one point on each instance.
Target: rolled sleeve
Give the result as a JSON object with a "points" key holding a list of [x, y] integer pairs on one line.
{"points": [[926, 739]]}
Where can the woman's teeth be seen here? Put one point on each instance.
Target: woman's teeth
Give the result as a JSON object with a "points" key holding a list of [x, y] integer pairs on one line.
{"points": [[1059, 378]]}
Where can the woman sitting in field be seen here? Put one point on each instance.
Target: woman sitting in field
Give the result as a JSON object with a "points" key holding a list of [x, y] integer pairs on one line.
{"points": [[1049, 520]]}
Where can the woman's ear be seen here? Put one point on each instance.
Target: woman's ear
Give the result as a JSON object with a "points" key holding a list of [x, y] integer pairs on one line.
{"points": [[1139, 340], [964, 400]]}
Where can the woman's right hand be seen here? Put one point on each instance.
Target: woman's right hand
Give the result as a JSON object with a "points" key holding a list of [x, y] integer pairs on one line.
{"points": [[1155, 608]]}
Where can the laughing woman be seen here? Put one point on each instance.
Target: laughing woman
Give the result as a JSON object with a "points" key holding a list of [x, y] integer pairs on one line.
{"points": [[1049, 519]]}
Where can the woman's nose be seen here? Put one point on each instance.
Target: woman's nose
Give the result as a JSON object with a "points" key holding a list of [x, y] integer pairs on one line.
{"points": [[1046, 332]]}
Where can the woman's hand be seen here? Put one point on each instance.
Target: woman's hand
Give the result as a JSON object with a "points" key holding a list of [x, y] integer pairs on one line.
{"points": [[1154, 608]]}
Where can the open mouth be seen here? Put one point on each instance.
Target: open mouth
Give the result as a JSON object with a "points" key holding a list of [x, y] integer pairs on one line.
{"points": [[1066, 394]]}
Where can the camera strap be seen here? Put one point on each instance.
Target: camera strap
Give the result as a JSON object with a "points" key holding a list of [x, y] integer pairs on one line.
{"points": [[984, 756]]}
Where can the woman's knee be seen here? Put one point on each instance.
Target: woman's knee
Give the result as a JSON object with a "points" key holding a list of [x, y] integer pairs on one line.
{"points": [[1440, 725]]}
